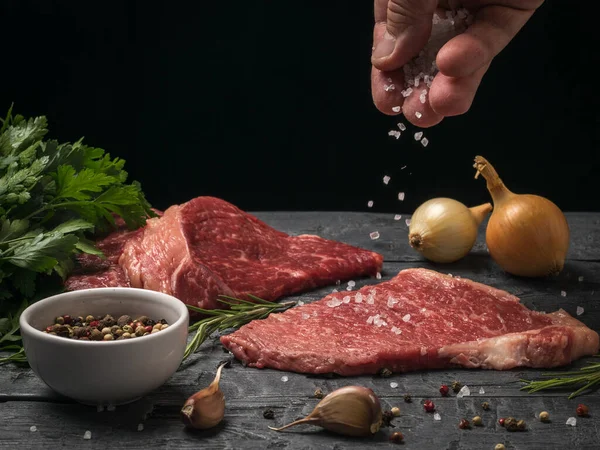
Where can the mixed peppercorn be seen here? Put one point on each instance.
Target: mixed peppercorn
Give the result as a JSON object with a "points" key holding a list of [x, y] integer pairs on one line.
{"points": [[104, 328]]}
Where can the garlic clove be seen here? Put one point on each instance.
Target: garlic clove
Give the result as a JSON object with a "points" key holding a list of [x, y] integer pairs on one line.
{"points": [[206, 408], [351, 411]]}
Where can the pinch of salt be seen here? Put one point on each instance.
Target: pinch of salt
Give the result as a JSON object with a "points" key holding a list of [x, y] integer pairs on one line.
{"points": [[436, 416], [284, 378], [424, 142], [33, 428], [87, 435], [370, 204], [397, 217], [418, 135], [418, 114], [464, 392], [579, 310], [374, 235], [140, 427], [393, 385], [481, 391], [401, 196], [401, 126], [378, 275], [396, 108], [406, 318], [571, 421], [563, 293], [386, 179]]}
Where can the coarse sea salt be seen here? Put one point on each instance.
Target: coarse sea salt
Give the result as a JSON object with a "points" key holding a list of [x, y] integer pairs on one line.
{"points": [[370, 320], [334, 302], [418, 114], [464, 392], [406, 318], [374, 235], [424, 142], [346, 299], [393, 385], [386, 179], [140, 427], [33, 428], [563, 293], [391, 302], [284, 379], [481, 391], [396, 108], [571, 421], [358, 298], [407, 222], [401, 196], [370, 300], [397, 217], [418, 135], [305, 316], [301, 303], [370, 204], [394, 133], [402, 128], [87, 435], [436, 416], [580, 310], [378, 275]]}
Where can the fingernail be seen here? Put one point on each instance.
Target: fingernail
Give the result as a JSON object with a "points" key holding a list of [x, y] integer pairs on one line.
{"points": [[385, 46]]}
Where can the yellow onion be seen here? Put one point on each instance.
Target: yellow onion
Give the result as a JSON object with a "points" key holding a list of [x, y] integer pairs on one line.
{"points": [[527, 235], [444, 230]]}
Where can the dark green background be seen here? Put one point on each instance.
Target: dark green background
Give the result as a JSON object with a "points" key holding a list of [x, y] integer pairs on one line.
{"points": [[267, 104]]}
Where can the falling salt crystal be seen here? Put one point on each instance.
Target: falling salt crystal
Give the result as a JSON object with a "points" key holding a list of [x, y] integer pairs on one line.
{"points": [[401, 196], [436, 416], [140, 427], [397, 217], [111, 407], [378, 275], [99, 408], [407, 222], [374, 235], [301, 303], [394, 133], [563, 293], [402, 127], [418, 135], [481, 391], [284, 378], [579, 310], [464, 392], [370, 204], [406, 318], [393, 385], [87, 435], [571, 421], [305, 316], [396, 108], [418, 114], [580, 278], [386, 179], [424, 142], [33, 428]]}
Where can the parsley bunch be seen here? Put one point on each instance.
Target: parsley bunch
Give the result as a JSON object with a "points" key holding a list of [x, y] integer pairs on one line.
{"points": [[52, 197]]}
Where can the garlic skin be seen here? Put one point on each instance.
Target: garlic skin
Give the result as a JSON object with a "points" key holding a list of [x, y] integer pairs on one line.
{"points": [[527, 235], [444, 230], [350, 411], [206, 408]]}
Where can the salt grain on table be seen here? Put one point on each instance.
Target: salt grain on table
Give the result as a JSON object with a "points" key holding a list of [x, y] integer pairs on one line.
{"points": [[436, 416], [370, 204], [33, 428], [418, 135], [397, 217], [284, 379], [140, 427], [424, 142], [374, 235], [396, 108], [401, 196], [87, 435], [386, 179], [571, 421], [393, 385], [402, 128], [579, 310], [481, 391], [351, 283], [464, 392]]}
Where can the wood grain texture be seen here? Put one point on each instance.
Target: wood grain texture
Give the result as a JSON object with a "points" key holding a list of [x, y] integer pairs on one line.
{"points": [[26, 401]]}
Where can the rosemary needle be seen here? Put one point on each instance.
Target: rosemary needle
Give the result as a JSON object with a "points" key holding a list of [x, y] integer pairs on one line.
{"points": [[240, 312], [588, 377]]}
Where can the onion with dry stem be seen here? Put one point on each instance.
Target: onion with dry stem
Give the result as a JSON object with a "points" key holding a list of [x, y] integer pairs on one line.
{"points": [[444, 230], [527, 235]]}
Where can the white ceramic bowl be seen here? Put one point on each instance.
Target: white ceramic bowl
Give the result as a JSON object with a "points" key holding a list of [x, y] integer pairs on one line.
{"points": [[105, 373]]}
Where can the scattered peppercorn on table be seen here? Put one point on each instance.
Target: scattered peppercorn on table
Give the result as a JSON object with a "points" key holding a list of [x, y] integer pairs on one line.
{"points": [[480, 410]]}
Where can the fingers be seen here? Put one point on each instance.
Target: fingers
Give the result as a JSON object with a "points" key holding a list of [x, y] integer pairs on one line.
{"points": [[386, 88], [492, 29], [402, 29]]}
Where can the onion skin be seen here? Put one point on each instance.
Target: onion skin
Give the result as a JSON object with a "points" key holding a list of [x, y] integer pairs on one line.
{"points": [[527, 235]]}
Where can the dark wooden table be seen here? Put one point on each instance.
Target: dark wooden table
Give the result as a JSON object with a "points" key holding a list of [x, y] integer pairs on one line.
{"points": [[25, 401]]}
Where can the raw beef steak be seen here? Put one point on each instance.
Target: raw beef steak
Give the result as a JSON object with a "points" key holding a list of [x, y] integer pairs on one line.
{"points": [[420, 319], [207, 247]]}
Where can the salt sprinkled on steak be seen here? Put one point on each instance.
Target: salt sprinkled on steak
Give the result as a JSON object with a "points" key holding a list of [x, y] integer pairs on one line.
{"points": [[453, 322]]}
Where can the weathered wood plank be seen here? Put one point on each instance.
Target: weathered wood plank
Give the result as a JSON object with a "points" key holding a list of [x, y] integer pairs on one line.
{"points": [[354, 228]]}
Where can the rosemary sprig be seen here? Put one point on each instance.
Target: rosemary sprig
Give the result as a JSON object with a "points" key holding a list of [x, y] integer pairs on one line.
{"points": [[17, 357], [240, 312], [587, 376]]}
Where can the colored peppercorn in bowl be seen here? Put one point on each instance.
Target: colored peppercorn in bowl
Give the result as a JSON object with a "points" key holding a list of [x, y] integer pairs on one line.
{"points": [[155, 355]]}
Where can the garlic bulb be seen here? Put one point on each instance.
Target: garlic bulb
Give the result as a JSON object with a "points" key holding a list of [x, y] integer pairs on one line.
{"points": [[444, 230], [527, 235], [351, 411], [206, 408]]}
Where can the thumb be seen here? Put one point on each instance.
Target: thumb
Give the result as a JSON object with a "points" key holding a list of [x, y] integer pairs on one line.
{"points": [[402, 28]]}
